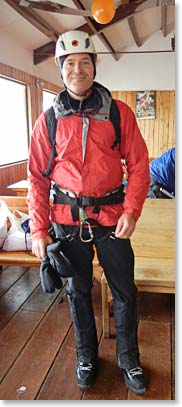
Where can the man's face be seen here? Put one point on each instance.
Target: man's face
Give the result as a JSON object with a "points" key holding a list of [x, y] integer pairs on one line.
{"points": [[78, 72]]}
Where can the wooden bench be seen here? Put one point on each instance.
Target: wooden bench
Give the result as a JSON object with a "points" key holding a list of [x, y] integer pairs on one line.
{"points": [[154, 246], [26, 258]]}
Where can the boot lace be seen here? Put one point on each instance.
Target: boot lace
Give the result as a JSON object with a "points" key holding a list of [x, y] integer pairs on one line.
{"points": [[85, 366], [136, 371]]}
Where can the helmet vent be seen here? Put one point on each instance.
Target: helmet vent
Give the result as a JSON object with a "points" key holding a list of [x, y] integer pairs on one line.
{"points": [[75, 43], [62, 45], [87, 43]]}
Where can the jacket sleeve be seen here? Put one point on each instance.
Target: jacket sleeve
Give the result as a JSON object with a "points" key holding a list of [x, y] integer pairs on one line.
{"points": [[39, 186], [134, 150]]}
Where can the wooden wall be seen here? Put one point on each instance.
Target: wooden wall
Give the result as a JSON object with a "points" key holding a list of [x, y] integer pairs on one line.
{"points": [[159, 133], [10, 175]]}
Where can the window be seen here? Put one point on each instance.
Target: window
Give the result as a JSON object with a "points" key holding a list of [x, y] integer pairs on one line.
{"points": [[48, 98], [13, 123]]}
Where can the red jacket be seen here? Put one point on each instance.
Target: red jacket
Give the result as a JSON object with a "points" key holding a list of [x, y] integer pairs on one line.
{"points": [[88, 166]]}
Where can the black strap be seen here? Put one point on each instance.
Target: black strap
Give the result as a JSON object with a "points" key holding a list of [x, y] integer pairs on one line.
{"points": [[84, 201], [51, 124], [115, 119]]}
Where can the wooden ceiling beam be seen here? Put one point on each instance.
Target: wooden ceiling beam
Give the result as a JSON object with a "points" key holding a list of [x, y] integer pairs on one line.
{"points": [[91, 27], [122, 12], [164, 17], [54, 7], [34, 19], [101, 36], [133, 29]]}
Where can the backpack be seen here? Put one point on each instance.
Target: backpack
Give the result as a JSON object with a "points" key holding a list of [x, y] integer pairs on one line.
{"points": [[51, 123]]}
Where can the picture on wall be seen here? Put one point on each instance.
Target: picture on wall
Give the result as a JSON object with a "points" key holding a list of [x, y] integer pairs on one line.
{"points": [[145, 104]]}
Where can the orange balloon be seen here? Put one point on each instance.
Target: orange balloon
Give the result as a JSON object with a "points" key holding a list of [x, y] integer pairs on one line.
{"points": [[103, 11]]}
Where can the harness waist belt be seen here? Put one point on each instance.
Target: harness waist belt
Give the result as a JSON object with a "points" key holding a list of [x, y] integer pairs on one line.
{"points": [[115, 197]]}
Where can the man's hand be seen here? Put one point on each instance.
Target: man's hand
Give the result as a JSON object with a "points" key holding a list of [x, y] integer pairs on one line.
{"points": [[39, 246], [125, 226]]}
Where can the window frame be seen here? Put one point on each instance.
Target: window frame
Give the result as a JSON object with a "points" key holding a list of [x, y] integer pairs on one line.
{"points": [[34, 96], [48, 91], [27, 121]]}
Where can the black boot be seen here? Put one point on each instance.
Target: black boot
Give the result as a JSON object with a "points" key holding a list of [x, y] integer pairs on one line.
{"points": [[85, 374], [127, 345], [134, 378]]}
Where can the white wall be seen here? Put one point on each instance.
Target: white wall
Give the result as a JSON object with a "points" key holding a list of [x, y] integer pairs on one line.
{"points": [[140, 71], [11, 53], [131, 72]]}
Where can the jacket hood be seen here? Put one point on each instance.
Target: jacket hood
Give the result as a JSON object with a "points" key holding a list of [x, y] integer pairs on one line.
{"points": [[97, 104]]}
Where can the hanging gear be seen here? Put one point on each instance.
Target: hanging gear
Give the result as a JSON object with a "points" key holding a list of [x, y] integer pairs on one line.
{"points": [[58, 260], [54, 267], [84, 221], [48, 277]]}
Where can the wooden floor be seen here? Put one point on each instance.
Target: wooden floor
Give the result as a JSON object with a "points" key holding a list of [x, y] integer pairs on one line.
{"points": [[37, 348]]}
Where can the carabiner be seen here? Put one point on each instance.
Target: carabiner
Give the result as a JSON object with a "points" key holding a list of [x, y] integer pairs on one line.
{"points": [[89, 229]]}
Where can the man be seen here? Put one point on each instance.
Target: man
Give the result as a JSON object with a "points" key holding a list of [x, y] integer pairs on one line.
{"points": [[89, 204], [162, 176]]}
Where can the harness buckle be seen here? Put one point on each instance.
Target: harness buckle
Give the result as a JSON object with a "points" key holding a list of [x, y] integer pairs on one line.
{"points": [[83, 201], [112, 236]]}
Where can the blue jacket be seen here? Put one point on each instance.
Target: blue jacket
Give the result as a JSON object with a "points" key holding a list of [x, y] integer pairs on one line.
{"points": [[162, 169]]}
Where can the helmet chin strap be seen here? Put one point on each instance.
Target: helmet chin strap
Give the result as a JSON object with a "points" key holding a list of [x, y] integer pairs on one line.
{"points": [[86, 93]]}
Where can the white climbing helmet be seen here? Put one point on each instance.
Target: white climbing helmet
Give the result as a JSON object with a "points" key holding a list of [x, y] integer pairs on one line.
{"points": [[73, 42]]}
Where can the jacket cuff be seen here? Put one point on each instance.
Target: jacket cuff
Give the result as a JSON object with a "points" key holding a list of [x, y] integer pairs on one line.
{"points": [[133, 212], [40, 234]]}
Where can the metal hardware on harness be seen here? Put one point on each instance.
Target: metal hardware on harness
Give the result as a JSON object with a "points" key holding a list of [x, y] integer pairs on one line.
{"points": [[84, 221], [166, 193], [69, 237], [89, 229], [112, 236]]}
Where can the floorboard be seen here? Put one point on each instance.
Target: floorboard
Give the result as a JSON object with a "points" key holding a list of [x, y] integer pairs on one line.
{"points": [[14, 298], [155, 361], [173, 347], [32, 365], [9, 276], [37, 344], [13, 338]]}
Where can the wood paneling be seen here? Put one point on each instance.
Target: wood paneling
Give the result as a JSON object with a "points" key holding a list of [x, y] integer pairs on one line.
{"points": [[159, 133], [11, 174]]}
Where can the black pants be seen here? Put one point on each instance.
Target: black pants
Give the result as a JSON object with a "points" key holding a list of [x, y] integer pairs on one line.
{"points": [[117, 259]]}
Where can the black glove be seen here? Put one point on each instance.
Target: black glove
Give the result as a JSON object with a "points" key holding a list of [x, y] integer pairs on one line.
{"points": [[58, 260], [48, 277]]}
